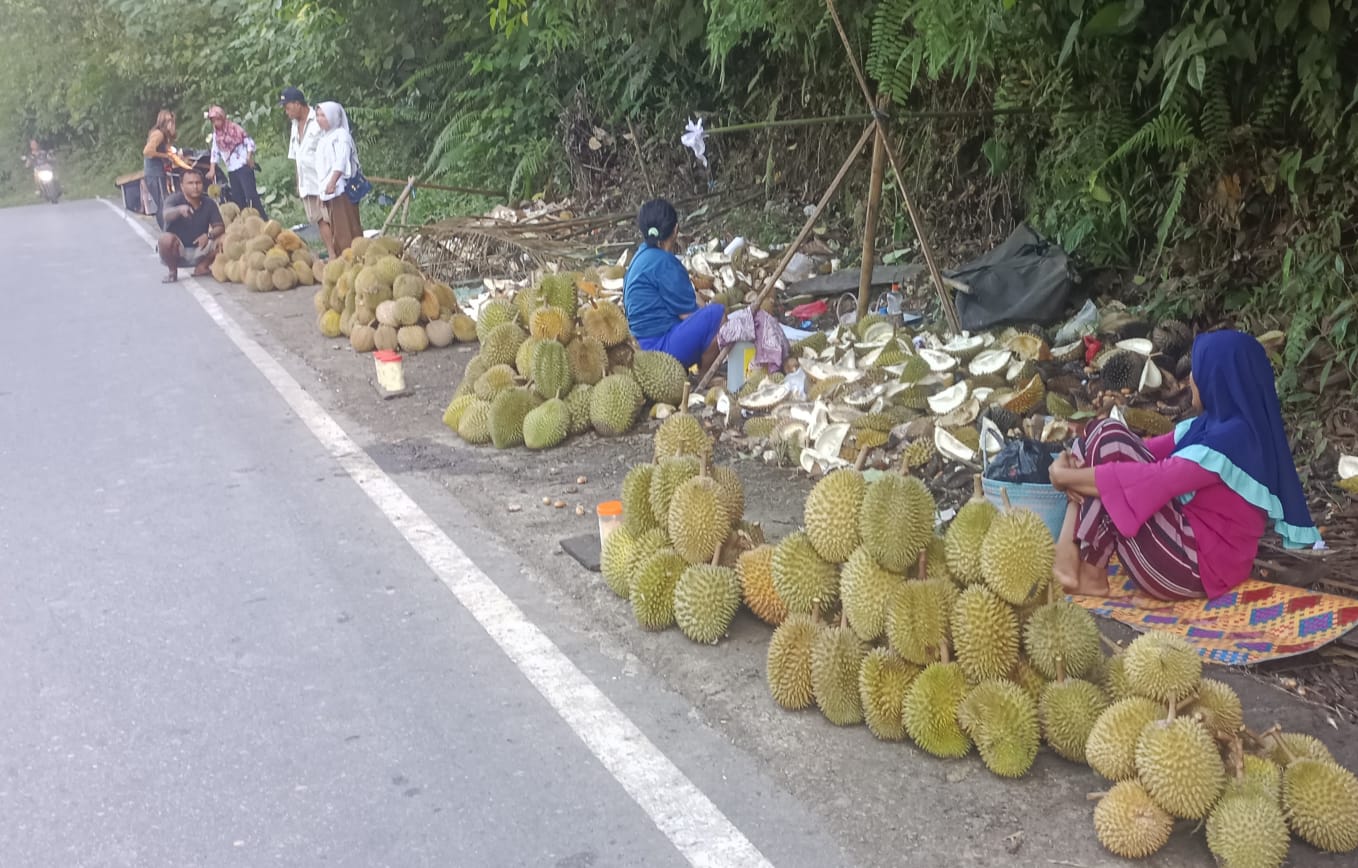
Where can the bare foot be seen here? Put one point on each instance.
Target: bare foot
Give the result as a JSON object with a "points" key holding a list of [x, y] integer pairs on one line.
{"points": [[170, 278], [1092, 581]]}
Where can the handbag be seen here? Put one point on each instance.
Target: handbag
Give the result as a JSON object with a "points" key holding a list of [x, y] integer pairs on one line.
{"points": [[357, 187]]}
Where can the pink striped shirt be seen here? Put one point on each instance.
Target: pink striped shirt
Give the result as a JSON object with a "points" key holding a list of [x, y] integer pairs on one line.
{"points": [[1227, 528]]}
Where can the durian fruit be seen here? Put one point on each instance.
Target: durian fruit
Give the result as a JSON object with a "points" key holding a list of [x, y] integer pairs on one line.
{"points": [[605, 321], [918, 453], [1320, 801], [803, 580], [1296, 745], [1248, 831], [588, 359], [545, 426], [276, 259], [1129, 824], [550, 323], [494, 381], [507, 413], [1059, 407], [464, 328], [1068, 710], [831, 514], [578, 403], [758, 427], [1113, 678], [615, 561], [1172, 338], [500, 346], [493, 313], [666, 479], [1179, 764], [682, 434], [788, 668], [361, 338], [559, 291], [652, 589], [440, 333], [453, 414], [329, 324], [661, 377], [1257, 775], [896, 520], [272, 229], [1147, 422], [697, 520], [474, 426], [620, 357], [1162, 667], [523, 359], [705, 600], [917, 619], [407, 286], [826, 388], [1064, 634], [1111, 749], [985, 634], [1122, 370], [1017, 555], [407, 311], [1220, 708], [883, 680], [929, 711], [1025, 675], [755, 569], [636, 499], [1001, 720], [647, 545], [965, 536], [867, 591], [551, 370], [613, 404], [836, 657], [412, 339], [732, 493]]}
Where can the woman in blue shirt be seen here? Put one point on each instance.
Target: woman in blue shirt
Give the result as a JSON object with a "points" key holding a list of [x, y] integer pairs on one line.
{"points": [[658, 296]]}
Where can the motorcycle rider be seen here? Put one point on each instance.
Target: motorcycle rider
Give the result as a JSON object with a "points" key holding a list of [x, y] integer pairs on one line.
{"points": [[36, 159]]}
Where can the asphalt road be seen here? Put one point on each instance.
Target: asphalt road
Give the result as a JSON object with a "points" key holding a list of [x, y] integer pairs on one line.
{"points": [[216, 650]]}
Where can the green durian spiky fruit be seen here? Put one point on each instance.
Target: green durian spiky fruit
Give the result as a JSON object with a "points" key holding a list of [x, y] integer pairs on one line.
{"points": [[329, 324], [668, 475], [731, 491], [648, 544], [464, 328], [1122, 370], [867, 591], [836, 657], [526, 301], [494, 313], [545, 426], [937, 564], [495, 380], [551, 370], [456, 408], [1063, 631], [1113, 677], [474, 426], [652, 589], [1129, 823], [918, 453], [966, 535], [682, 434], [523, 359], [755, 569], [412, 339], [661, 377], [788, 668], [985, 634], [551, 323], [507, 413], [705, 600], [1162, 667], [1220, 708], [578, 403], [758, 427], [883, 680], [1068, 710], [1260, 776], [475, 368], [1017, 555], [896, 520], [407, 311], [1111, 749], [1180, 766], [929, 711], [588, 359], [825, 388], [407, 286], [803, 580], [1320, 801], [1000, 718], [1248, 831], [1025, 675], [697, 520], [637, 515], [615, 561], [440, 333], [361, 338], [917, 619], [559, 290], [916, 368], [501, 345], [815, 342], [1297, 745], [605, 321], [385, 337], [613, 404], [831, 514]]}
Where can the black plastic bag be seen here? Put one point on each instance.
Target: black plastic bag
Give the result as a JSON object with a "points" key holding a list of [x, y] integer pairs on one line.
{"points": [[1026, 279], [1024, 461]]}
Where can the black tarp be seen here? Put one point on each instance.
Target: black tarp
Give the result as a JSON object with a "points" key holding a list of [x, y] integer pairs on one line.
{"points": [[1024, 280]]}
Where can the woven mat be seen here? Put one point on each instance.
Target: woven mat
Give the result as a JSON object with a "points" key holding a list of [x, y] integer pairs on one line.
{"points": [[1256, 622]]}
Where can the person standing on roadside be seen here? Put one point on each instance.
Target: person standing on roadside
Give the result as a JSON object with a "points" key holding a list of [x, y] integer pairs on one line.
{"points": [[337, 165], [304, 136], [156, 160], [232, 146]]}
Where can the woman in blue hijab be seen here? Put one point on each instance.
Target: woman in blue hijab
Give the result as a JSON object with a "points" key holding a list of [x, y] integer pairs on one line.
{"points": [[1185, 511]]}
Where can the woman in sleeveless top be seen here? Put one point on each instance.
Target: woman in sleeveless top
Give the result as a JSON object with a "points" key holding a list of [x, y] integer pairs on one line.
{"points": [[155, 160]]}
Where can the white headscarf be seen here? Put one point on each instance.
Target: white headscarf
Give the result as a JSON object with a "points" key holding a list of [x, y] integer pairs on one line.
{"points": [[338, 137]]}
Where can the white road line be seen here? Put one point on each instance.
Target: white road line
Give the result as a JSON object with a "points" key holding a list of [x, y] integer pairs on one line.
{"points": [[696, 827]]}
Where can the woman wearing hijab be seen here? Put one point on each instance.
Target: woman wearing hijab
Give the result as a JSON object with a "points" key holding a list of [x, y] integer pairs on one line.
{"points": [[658, 296], [336, 164], [232, 146], [1185, 511], [156, 159]]}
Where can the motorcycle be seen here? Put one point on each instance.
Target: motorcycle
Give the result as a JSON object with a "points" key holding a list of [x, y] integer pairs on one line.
{"points": [[45, 176]]}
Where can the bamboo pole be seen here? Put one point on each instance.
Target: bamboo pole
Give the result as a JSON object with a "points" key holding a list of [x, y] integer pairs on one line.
{"points": [[944, 299], [754, 126], [873, 213], [410, 185], [428, 186], [796, 244]]}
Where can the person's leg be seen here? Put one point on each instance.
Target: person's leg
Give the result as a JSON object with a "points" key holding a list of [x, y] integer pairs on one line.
{"points": [[203, 265], [249, 191], [170, 247], [155, 187], [328, 236], [236, 195], [693, 341]]}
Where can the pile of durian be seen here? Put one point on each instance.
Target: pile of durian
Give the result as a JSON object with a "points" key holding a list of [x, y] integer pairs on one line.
{"points": [[262, 255], [551, 367], [381, 302]]}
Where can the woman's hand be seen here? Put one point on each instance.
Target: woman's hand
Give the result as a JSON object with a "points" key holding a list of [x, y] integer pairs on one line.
{"points": [[330, 188]]}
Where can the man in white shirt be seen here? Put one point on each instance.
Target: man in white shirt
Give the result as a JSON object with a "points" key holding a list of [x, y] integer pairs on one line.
{"points": [[304, 133]]}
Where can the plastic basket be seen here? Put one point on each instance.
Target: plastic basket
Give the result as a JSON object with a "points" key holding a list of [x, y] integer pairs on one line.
{"points": [[1047, 502]]}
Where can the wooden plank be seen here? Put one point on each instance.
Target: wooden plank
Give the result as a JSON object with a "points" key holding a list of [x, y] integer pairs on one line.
{"points": [[846, 280]]}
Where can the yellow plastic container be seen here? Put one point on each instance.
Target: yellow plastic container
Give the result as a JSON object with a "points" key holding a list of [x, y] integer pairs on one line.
{"points": [[610, 519]]}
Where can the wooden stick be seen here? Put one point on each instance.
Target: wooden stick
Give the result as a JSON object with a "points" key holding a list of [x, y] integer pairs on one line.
{"points": [[873, 213], [795, 245], [410, 185], [944, 300], [428, 186], [641, 161]]}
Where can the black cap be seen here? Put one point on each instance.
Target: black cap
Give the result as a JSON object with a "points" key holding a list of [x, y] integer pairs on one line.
{"points": [[291, 94]]}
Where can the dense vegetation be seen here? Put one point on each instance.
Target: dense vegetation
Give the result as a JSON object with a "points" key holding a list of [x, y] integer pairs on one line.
{"points": [[1207, 150]]}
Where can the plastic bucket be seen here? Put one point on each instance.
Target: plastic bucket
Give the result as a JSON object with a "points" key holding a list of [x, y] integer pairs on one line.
{"points": [[1046, 501], [610, 519], [390, 374]]}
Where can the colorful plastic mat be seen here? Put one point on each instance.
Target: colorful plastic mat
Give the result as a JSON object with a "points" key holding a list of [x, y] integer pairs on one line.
{"points": [[1254, 623]]}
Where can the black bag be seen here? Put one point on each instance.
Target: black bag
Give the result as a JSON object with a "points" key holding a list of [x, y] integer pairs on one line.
{"points": [[1024, 461], [1024, 280], [358, 187]]}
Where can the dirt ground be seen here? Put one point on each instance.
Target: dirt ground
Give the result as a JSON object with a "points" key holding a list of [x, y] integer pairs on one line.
{"points": [[888, 804]]}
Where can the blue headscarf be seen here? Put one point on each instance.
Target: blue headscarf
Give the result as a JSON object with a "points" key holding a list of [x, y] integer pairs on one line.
{"points": [[1240, 436]]}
